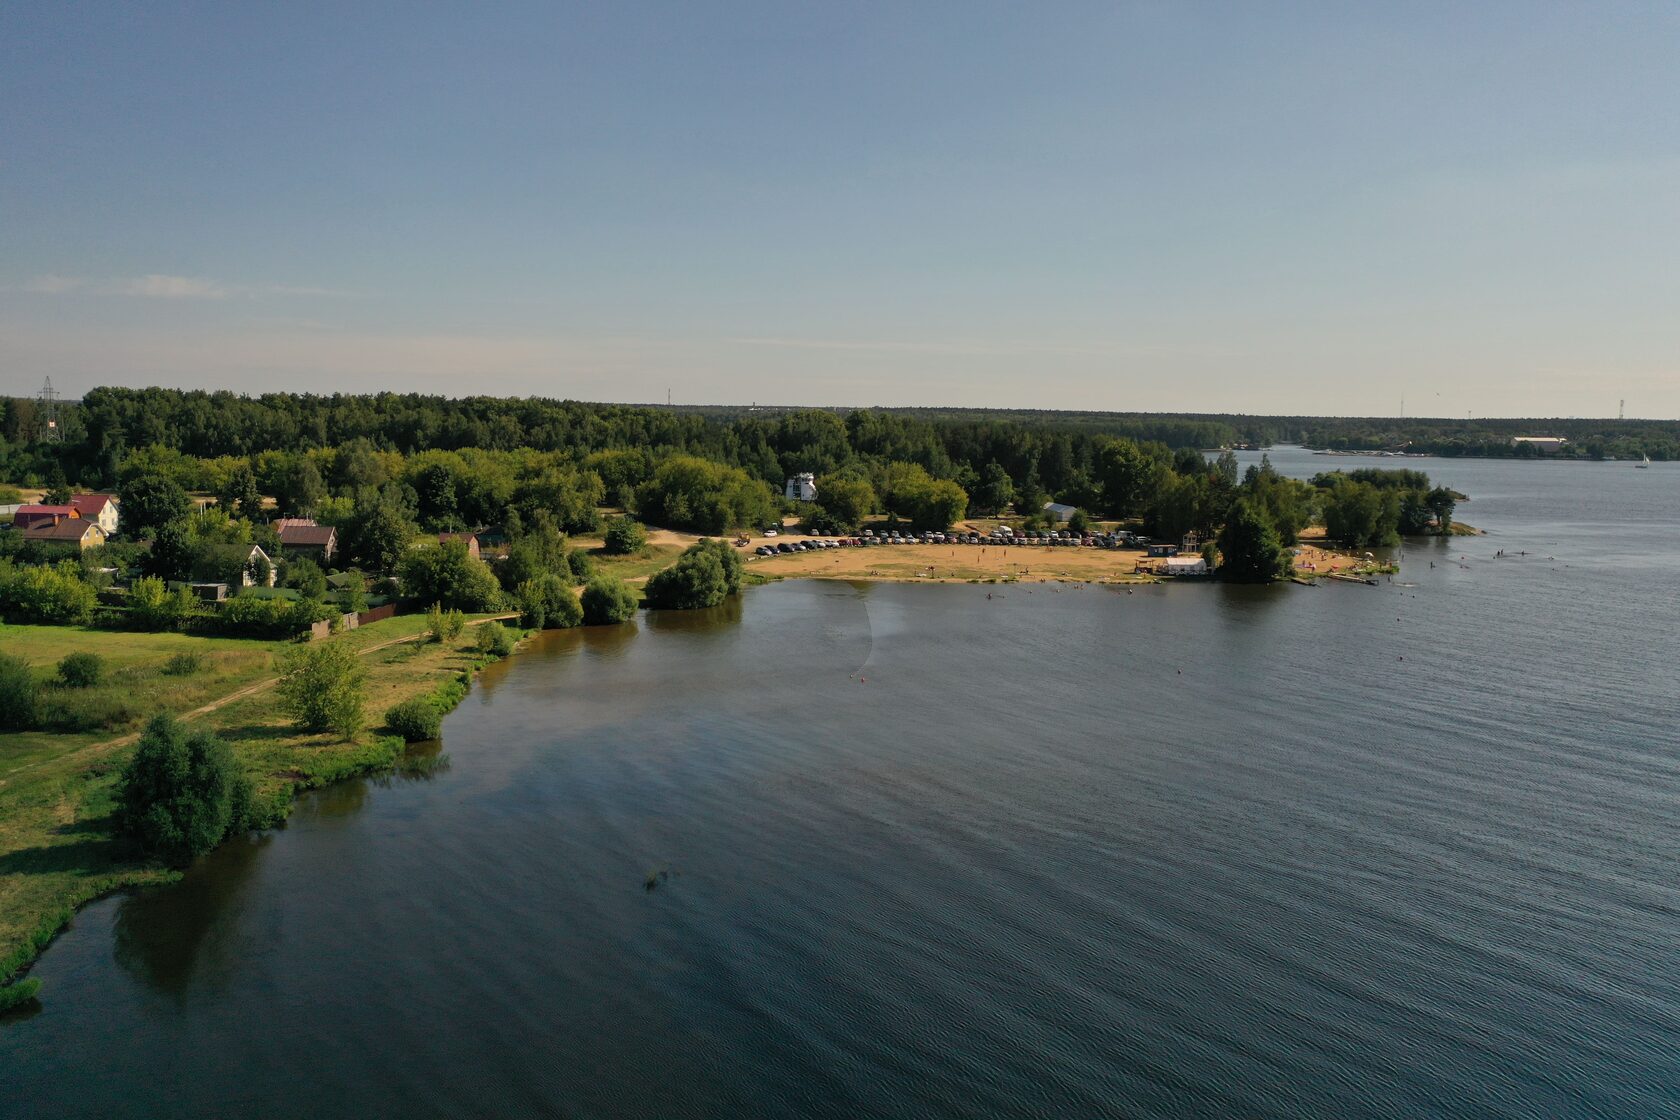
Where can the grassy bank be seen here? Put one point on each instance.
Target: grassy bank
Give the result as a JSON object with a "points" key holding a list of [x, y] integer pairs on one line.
{"points": [[58, 849]]}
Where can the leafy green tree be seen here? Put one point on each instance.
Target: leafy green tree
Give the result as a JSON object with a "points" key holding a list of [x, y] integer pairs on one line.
{"points": [[625, 536], [570, 496], [303, 574], [240, 493], [301, 488], [1359, 514], [1079, 521], [182, 792], [607, 600], [995, 490], [580, 565], [1030, 495], [323, 686], [704, 575], [687, 492], [535, 552], [447, 573], [1250, 548], [258, 567], [358, 468], [19, 703], [149, 502], [847, 500], [547, 603], [378, 537], [1128, 474], [1442, 503]]}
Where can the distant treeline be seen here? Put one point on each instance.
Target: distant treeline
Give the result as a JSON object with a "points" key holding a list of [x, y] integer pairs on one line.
{"points": [[1588, 439], [1054, 449]]}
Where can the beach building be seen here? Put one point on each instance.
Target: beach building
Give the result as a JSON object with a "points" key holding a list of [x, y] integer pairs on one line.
{"points": [[1546, 445], [1060, 512], [70, 530], [309, 540], [801, 488], [1186, 566], [101, 509], [31, 516], [1163, 550]]}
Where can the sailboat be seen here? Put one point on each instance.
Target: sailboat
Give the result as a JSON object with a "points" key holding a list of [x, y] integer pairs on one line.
{"points": [[1644, 463]]}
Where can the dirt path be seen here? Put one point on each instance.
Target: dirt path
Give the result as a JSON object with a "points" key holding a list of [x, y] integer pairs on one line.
{"points": [[224, 701]]}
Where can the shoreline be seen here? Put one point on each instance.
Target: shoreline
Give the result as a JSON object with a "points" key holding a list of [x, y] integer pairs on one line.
{"points": [[374, 754], [287, 763]]}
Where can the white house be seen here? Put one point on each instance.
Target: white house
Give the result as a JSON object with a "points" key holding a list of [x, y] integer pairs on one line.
{"points": [[101, 509], [1059, 511], [250, 580], [1186, 566], [801, 488], [1546, 445]]}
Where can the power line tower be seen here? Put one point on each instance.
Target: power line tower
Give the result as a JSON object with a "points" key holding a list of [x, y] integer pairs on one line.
{"points": [[47, 414]]}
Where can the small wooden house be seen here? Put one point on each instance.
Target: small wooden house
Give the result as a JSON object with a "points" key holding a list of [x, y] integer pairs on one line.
{"points": [[309, 540]]}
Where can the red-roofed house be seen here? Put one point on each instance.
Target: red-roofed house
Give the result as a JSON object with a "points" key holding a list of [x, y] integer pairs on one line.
{"points": [[82, 533], [28, 517], [470, 538], [101, 509], [321, 540]]}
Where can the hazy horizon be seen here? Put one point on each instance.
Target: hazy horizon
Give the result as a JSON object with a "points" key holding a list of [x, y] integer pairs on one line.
{"points": [[1291, 211]]}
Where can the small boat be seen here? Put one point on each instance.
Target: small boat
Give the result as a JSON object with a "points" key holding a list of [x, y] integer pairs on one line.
{"points": [[1644, 463]]}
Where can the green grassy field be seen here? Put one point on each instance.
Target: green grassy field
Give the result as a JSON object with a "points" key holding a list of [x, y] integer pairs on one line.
{"points": [[631, 569], [57, 791]]}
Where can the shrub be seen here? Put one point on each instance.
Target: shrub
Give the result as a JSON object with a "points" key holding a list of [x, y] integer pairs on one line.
{"points": [[258, 615], [548, 603], [55, 595], [607, 600], [444, 625], [19, 710], [625, 536], [97, 711], [152, 606], [183, 664], [18, 994], [415, 720], [80, 670], [182, 792], [493, 639], [323, 685], [581, 567]]}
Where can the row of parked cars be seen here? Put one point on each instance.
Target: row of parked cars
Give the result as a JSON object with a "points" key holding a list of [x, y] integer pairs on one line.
{"points": [[870, 538]]}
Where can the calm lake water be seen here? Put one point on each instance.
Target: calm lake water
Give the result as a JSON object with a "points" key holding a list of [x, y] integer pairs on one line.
{"points": [[1065, 852]]}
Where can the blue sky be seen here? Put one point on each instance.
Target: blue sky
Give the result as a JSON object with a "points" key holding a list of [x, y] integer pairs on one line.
{"points": [[1264, 208]]}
